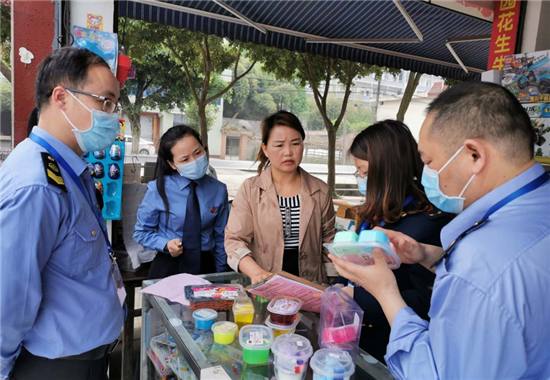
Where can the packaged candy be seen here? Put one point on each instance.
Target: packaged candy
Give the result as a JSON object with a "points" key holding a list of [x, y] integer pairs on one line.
{"points": [[256, 341], [359, 249], [224, 332], [291, 353], [341, 321], [205, 318], [279, 329], [243, 311], [332, 364], [213, 296], [283, 310]]}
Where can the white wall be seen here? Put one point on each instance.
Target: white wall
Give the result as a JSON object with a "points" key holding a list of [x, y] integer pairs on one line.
{"points": [[215, 133], [413, 118]]}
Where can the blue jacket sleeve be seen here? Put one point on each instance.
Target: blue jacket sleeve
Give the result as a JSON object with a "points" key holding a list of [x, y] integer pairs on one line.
{"points": [[148, 219], [220, 256], [29, 223], [468, 337]]}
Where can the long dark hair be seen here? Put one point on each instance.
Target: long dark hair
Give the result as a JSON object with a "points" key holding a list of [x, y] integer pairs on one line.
{"points": [[279, 118], [395, 170], [167, 141]]}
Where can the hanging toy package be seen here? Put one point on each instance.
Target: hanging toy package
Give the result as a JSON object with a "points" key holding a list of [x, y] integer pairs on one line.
{"points": [[341, 321]]}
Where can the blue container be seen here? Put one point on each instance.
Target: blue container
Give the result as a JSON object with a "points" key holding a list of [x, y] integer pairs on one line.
{"points": [[205, 318], [373, 236]]}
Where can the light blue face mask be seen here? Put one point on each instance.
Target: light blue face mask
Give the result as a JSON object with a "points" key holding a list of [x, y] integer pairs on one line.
{"points": [[102, 132], [362, 185], [430, 181], [194, 170]]}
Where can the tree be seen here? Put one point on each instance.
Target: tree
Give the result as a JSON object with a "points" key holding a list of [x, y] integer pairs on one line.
{"points": [[157, 83], [412, 83], [260, 93], [318, 72], [192, 114], [5, 38], [202, 57]]}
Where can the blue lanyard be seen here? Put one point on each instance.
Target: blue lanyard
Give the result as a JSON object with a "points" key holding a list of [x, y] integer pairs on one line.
{"points": [[76, 179], [533, 185], [365, 224]]}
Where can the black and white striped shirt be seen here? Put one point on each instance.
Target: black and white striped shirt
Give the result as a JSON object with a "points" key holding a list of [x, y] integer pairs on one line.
{"points": [[290, 211]]}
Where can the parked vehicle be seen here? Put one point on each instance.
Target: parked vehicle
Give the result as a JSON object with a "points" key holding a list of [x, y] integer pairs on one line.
{"points": [[145, 147]]}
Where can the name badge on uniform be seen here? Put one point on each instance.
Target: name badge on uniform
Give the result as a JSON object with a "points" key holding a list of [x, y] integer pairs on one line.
{"points": [[117, 278]]}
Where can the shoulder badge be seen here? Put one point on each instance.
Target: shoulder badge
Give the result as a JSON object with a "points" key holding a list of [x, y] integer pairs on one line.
{"points": [[53, 173]]}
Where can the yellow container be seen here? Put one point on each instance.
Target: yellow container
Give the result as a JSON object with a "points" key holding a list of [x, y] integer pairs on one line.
{"points": [[243, 311], [224, 332], [281, 330]]}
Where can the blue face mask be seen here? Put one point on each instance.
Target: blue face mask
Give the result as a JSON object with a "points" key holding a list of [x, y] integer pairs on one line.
{"points": [[430, 181], [194, 170], [102, 132], [362, 185]]}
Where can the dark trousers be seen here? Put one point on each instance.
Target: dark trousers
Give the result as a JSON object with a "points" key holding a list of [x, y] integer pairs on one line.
{"points": [[31, 367], [164, 265]]}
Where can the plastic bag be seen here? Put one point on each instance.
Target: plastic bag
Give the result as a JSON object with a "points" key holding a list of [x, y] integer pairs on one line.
{"points": [[341, 321]]}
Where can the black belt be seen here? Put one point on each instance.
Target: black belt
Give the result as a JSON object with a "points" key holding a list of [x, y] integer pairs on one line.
{"points": [[95, 354]]}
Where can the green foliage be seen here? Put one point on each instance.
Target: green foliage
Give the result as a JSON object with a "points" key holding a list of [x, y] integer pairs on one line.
{"points": [[449, 82], [192, 114], [5, 31], [259, 94], [158, 82], [315, 120], [5, 95]]}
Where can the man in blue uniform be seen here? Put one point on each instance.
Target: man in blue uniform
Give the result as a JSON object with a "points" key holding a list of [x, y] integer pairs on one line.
{"points": [[61, 300], [491, 300]]}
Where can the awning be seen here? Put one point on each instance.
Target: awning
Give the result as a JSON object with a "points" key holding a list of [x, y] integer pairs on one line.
{"points": [[290, 24]]}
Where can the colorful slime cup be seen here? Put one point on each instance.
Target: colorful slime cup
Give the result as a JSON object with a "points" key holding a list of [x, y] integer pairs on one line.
{"points": [[283, 310], [256, 340], [204, 318], [224, 332], [291, 353], [332, 364], [280, 330], [243, 312]]}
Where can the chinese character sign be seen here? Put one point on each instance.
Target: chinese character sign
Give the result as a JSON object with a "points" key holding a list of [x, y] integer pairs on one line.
{"points": [[504, 34]]}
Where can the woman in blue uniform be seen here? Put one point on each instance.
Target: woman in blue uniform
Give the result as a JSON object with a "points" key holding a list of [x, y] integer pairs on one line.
{"points": [[389, 170], [184, 212]]}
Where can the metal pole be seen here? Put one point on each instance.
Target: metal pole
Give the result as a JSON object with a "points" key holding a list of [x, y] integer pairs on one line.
{"points": [[377, 100]]}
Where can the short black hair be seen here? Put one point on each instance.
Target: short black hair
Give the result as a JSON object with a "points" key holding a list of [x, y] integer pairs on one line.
{"points": [[66, 66], [483, 110]]}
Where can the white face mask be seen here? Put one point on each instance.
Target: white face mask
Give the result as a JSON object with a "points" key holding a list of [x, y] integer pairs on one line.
{"points": [[103, 131], [430, 181]]}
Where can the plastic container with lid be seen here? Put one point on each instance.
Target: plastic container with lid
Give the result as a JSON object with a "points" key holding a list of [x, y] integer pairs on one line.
{"points": [[291, 353], [243, 311], [332, 364], [283, 310], [224, 332], [360, 250], [280, 330], [204, 318], [256, 341]]}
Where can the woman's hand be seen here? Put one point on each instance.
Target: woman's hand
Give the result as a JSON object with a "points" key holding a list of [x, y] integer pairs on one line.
{"points": [[174, 247], [260, 276]]}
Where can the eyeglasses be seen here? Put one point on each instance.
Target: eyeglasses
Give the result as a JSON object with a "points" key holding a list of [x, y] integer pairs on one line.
{"points": [[109, 106], [447, 252], [359, 175]]}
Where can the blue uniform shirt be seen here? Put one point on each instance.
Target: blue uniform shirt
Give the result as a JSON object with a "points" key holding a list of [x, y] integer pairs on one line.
{"points": [[57, 295], [490, 307], [152, 232]]}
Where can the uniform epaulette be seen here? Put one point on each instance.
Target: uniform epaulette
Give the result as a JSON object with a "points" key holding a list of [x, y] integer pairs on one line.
{"points": [[53, 173]]}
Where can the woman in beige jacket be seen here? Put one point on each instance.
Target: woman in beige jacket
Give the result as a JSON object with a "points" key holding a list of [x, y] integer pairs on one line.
{"points": [[281, 218]]}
